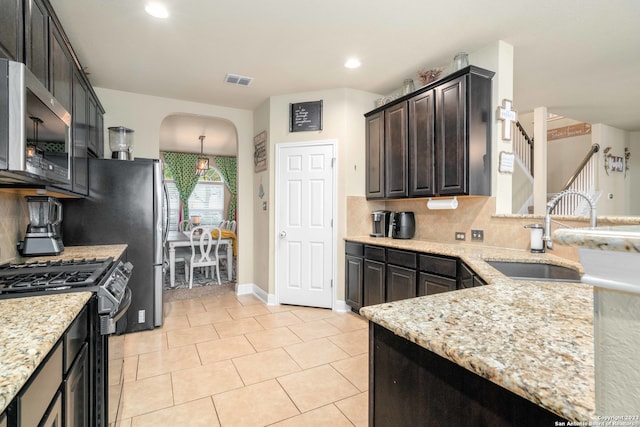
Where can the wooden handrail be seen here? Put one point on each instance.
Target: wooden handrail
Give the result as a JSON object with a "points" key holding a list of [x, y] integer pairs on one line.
{"points": [[593, 150]]}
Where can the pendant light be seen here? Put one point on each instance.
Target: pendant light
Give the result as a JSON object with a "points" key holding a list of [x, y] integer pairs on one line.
{"points": [[202, 165]]}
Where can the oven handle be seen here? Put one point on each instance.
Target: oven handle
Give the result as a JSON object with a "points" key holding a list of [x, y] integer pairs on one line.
{"points": [[124, 305], [108, 322]]}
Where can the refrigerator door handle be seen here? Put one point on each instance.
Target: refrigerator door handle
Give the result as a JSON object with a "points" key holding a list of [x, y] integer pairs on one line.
{"points": [[165, 192]]}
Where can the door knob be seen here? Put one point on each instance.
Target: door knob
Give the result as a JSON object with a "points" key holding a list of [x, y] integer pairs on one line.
{"points": [[283, 234]]}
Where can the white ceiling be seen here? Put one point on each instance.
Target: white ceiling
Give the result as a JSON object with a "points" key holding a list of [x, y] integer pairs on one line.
{"points": [[580, 58]]}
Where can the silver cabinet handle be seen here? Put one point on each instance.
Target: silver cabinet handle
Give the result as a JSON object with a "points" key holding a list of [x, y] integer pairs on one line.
{"points": [[283, 234]]}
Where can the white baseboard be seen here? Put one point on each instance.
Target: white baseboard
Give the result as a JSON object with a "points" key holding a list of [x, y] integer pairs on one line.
{"points": [[341, 306], [255, 290], [270, 299]]}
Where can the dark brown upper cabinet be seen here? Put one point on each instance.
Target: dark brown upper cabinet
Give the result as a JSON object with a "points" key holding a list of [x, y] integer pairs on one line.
{"points": [[422, 176], [436, 141], [37, 40], [375, 155], [395, 151], [11, 25]]}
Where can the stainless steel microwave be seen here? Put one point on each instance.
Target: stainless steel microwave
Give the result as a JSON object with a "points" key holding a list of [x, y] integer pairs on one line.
{"points": [[35, 130]]}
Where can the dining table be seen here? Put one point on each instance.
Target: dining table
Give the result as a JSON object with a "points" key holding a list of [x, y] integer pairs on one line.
{"points": [[178, 239]]}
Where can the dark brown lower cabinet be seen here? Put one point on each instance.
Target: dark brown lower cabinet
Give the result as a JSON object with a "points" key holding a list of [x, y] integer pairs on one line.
{"points": [[401, 283], [411, 386], [54, 416], [354, 270], [429, 284], [77, 397], [374, 282]]}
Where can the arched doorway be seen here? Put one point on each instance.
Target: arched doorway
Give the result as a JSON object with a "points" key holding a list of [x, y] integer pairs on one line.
{"points": [[211, 196]]}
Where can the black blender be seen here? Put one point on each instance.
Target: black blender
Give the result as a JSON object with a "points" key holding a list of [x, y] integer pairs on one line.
{"points": [[43, 232]]}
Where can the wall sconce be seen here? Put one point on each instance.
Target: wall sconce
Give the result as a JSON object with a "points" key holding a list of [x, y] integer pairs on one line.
{"points": [[443, 203], [202, 164]]}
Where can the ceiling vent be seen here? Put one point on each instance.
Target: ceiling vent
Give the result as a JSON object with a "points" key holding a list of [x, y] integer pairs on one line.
{"points": [[235, 79]]}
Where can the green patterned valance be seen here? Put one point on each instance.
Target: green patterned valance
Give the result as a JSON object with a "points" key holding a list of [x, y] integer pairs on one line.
{"points": [[183, 169], [228, 168]]}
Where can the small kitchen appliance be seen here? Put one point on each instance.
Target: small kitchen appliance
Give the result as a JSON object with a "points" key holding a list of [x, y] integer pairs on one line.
{"points": [[403, 225], [43, 232], [380, 221], [121, 142]]}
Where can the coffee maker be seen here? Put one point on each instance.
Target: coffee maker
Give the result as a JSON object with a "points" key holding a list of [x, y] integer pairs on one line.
{"points": [[43, 232], [380, 221]]}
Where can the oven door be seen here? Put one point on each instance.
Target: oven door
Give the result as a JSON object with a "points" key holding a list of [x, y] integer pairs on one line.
{"points": [[108, 321]]}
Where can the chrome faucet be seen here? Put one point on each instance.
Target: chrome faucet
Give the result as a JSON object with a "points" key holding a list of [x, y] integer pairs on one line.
{"points": [[546, 236]]}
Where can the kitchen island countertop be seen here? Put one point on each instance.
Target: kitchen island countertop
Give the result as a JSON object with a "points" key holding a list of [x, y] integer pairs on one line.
{"points": [[31, 326], [533, 338]]}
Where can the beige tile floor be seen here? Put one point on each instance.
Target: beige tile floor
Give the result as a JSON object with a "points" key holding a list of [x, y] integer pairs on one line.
{"points": [[227, 360]]}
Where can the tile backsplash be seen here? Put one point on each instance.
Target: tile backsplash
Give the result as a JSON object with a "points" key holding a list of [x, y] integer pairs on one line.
{"points": [[14, 218], [441, 225]]}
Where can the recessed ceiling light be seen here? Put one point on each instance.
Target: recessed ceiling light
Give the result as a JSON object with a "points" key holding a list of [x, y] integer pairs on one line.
{"points": [[157, 10], [352, 63]]}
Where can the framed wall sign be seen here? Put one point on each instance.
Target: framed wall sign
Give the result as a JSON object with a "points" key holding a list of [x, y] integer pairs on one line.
{"points": [[260, 151], [305, 116]]}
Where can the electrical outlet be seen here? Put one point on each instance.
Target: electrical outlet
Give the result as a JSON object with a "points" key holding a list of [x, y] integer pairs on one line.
{"points": [[460, 235], [141, 316], [477, 235]]}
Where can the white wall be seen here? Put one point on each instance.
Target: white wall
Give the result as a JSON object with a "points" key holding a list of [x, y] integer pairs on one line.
{"points": [[498, 57], [613, 183], [634, 174], [144, 114], [343, 121]]}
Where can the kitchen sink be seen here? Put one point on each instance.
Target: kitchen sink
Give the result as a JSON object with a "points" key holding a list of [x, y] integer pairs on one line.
{"points": [[536, 271]]}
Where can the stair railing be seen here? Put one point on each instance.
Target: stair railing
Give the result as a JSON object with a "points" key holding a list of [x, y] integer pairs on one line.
{"points": [[523, 147], [583, 180]]}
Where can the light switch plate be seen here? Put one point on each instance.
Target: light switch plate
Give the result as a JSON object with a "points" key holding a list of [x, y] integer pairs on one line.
{"points": [[460, 235]]}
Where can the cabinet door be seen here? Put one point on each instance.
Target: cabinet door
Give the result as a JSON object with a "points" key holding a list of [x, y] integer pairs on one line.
{"points": [[54, 416], [422, 145], [354, 280], [374, 282], [61, 68], [451, 137], [11, 29], [395, 151], [76, 386], [80, 134], [401, 283], [36, 40], [429, 284], [375, 156]]}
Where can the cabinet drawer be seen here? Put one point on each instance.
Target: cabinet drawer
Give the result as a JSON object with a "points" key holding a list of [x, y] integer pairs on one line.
{"points": [[375, 253], [429, 284], [401, 258], [75, 338], [438, 265], [355, 249], [34, 400]]}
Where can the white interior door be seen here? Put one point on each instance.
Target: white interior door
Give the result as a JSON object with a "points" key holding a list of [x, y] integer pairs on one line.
{"points": [[304, 214]]}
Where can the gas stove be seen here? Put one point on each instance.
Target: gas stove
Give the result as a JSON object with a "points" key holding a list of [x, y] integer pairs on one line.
{"points": [[104, 277], [52, 276]]}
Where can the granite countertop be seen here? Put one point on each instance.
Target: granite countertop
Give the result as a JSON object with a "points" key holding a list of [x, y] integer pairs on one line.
{"points": [[79, 252], [31, 326], [622, 238], [533, 338]]}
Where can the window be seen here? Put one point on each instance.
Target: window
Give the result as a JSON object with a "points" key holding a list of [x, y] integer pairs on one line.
{"points": [[206, 200]]}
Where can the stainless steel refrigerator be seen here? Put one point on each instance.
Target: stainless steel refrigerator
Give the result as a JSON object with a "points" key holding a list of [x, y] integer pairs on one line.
{"points": [[126, 204]]}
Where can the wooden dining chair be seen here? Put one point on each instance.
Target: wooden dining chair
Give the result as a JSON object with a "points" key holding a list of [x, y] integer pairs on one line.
{"points": [[185, 225], [204, 253]]}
